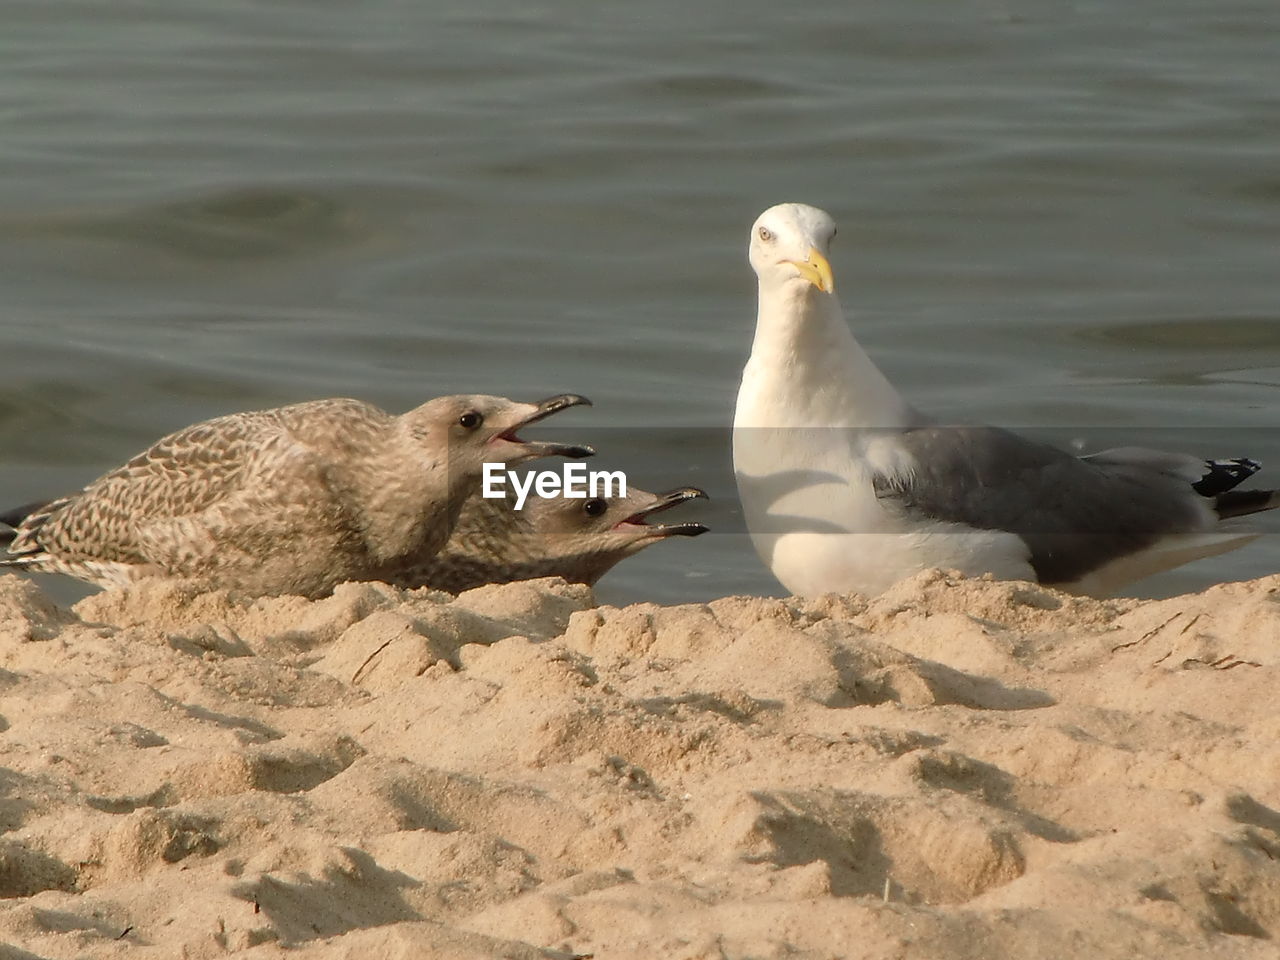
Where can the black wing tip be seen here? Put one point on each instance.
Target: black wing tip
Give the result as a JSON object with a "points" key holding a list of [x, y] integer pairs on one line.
{"points": [[1222, 475]]}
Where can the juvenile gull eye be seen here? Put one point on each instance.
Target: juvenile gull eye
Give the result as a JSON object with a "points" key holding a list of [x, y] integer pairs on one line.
{"points": [[765, 234], [470, 420], [593, 508]]}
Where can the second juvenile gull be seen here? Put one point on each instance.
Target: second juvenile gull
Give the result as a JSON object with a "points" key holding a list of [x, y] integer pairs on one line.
{"points": [[578, 539], [847, 487], [292, 500]]}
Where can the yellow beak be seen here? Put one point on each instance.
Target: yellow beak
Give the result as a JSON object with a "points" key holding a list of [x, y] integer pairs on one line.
{"points": [[816, 270]]}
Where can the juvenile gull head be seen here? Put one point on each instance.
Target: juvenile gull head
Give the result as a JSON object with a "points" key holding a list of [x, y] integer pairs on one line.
{"points": [[471, 430], [578, 539], [294, 499]]}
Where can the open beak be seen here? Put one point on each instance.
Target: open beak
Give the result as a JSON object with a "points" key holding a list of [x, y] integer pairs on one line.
{"points": [[542, 448], [665, 501], [816, 270]]}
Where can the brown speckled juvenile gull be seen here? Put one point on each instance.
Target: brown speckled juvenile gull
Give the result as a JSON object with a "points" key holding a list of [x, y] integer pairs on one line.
{"points": [[293, 500], [578, 539]]}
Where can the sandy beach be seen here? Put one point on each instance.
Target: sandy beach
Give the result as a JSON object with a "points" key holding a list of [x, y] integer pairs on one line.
{"points": [[958, 769]]}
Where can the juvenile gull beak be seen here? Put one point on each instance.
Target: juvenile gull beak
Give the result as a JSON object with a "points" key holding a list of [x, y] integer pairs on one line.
{"points": [[542, 410], [561, 401], [816, 270], [665, 501]]}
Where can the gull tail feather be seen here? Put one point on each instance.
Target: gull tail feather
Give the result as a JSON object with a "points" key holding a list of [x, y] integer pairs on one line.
{"points": [[29, 515], [1165, 554], [26, 562], [1241, 503], [15, 516]]}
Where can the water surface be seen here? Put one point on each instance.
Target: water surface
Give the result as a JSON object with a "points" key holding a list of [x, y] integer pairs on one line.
{"points": [[1054, 216]]}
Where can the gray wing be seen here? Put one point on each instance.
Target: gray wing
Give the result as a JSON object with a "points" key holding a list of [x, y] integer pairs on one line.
{"points": [[1075, 514]]}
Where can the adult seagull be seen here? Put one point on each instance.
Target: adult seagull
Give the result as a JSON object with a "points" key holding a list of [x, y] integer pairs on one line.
{"points": [[847, 487]]}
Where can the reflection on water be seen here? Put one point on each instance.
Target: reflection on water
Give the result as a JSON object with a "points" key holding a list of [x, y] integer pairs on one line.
{"points": [[1194, 334], [1050, 216], [245, 224]]}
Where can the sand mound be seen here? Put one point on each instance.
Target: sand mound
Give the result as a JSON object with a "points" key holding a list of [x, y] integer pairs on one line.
{"points": [[959, 769]]}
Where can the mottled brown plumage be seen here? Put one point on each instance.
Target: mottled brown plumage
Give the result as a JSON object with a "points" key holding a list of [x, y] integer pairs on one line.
{"points": [[578, 539], [291, 500]]}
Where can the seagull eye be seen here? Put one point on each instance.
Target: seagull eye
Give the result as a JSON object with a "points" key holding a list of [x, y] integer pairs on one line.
{"points": [[471, 419], [593, 508], [765, 234]]}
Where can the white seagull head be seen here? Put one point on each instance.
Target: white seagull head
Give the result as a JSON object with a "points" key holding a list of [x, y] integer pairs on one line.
{"points": [[790, 244]]}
